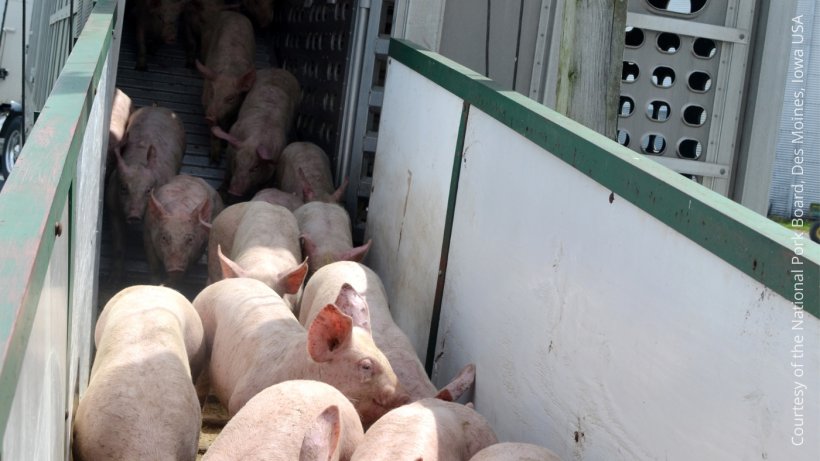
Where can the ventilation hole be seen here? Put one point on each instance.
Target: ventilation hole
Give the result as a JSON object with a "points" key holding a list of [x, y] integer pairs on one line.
{"points": [[630, 72], [663, 77], [653, 144], [694, 115], [679, 6], [690, 148], [704, 48], [657, 111], [700, 81], [626, 106], [633, 37], [668, 43], [623, 138]]}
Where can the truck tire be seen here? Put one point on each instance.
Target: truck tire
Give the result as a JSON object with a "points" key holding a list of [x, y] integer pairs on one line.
{"points": [[814, 232], [12, 134]]}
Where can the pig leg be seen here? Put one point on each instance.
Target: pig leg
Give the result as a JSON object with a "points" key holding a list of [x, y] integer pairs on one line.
{"points": [[153, 259], [216, 150], [117, 230]]}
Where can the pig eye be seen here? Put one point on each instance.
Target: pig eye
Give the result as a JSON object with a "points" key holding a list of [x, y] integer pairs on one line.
{"points": [[123, 190], [366, 367], [189, 239], [165, 239]]}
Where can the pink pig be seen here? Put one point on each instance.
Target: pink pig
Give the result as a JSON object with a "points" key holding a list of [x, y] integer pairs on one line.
{"points": [[228, 70], [298, 419], [254, 341], [326, 235], [156, 21], [177, 223], [256, 140], [140, 402], [277, 197], [257, 240], [355, 289], [149, 157], [260, 10], [305, 169], [510, 451], [430, 429]]}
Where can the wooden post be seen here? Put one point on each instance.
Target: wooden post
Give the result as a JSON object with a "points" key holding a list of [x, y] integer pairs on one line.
{"points": [[589, 72]]}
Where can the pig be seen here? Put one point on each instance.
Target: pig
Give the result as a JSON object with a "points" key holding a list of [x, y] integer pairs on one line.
{"points": [[261, 11], [257, 240], [356, 289], [140, 402], [228, 71], [254, 341], [177, 223], [326, 235], [429, 429], [510, 451], [305, 169], [298, 419], [156, 20], [197, 17], [149, 157], [256, 140], [277, 197], [121, 108]]}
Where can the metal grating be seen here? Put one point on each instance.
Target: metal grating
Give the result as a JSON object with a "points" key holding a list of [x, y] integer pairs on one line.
{"points": [[682, 84], [312, 43]]}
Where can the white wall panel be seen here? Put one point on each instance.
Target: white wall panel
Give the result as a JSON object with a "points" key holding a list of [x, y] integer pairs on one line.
{"points": [[589, 319], [409, 200]]}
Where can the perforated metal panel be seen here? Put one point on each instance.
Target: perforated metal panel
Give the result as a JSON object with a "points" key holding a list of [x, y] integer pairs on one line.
{"points": [[313, 43], [682, 83]]}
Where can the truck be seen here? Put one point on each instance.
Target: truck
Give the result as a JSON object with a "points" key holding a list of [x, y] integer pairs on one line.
{"points": [[688, 329], [12, 34]]}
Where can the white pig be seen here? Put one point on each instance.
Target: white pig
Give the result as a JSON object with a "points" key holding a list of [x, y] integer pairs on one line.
{"points": [[355, 289], [326, 235], [257, 240], [305, 169], [288, 419], [255, 341], [511, 451], [177, 222], [430, 429], [140, 402]]}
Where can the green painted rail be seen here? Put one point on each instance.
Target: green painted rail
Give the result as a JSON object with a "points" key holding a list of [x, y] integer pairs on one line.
{"points": [[35, 194]]}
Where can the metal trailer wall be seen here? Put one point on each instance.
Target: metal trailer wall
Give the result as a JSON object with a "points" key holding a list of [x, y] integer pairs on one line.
{"points": [[556, 281], [49, 249], [798, 134]]}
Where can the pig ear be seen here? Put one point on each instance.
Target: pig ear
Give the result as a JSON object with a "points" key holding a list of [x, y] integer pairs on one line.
{"points": [[151, 157], [264, 154], [155, 207], [459, 385], [291, 281], [207, 73], [203, 214], [246, 81], [322, 437], [308, 245], [353, 304], [230, 269], [328, 331], [118, 156], [340, 192], [356, 254], [308, 195], [221, 134]]}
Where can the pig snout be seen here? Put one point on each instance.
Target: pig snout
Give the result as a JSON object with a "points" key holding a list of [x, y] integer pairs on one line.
{"points": [[175, 275]]}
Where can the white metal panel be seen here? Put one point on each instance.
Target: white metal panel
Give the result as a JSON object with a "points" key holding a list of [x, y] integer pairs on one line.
{"points": [[415, 172], [602, 333], [35, 430]]}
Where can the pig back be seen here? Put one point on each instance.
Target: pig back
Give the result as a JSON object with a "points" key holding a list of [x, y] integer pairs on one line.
{"points": [[272, 425], [430, 429], [230, 45], [267, 237], [183, 194], [315, 167], [223, 231], [159, 127], [512, 451], [140, 402], [277, 197]]}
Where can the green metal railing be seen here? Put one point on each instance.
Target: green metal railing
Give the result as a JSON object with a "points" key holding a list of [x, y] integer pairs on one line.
{"points": [[36, 194]]}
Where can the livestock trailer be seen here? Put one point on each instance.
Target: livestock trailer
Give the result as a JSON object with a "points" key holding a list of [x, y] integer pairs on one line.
{"points": [[614, 308]]}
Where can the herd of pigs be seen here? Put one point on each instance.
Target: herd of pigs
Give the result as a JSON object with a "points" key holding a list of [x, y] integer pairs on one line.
{"points": [[292, 334]]}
